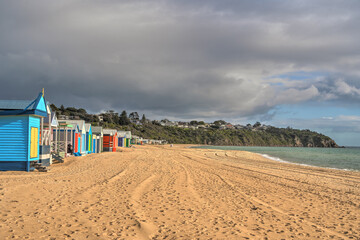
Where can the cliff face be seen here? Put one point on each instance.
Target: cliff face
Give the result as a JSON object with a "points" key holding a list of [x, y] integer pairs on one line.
{"points": [[327, 143]]}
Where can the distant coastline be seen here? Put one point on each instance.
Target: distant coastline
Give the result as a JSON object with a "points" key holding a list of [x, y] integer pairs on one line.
{"points": [[219, 132]]}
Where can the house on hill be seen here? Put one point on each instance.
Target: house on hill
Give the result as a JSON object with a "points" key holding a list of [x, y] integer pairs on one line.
{"points": [[134, 118]]}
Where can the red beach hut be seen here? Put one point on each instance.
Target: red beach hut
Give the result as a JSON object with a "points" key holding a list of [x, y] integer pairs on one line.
{"points": [[110, 140]]}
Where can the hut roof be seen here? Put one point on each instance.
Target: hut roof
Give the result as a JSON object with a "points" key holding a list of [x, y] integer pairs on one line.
{"points": [[97, 129], [80, 123], [110, 131], [53, 119], [19, 107], [121, 133], [87, 127], [16, 104]]}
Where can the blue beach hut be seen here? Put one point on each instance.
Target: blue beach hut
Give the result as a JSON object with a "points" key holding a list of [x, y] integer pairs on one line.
{"points": [[121, 138], [20, 132]]}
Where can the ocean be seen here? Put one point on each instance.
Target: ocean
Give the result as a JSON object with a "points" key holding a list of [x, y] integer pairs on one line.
{"points": [[339, 158]]}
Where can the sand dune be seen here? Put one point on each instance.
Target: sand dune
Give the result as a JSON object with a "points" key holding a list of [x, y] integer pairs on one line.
{"points": [[162, 192]]}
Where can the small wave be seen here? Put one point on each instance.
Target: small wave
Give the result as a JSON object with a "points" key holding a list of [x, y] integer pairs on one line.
{"points": [[303, 164]]}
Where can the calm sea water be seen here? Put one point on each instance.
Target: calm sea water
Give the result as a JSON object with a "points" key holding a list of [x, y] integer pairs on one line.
{"points": [[340, 158]]}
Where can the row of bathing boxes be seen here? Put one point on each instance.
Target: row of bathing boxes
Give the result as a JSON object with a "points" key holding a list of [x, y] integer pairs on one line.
{"points": [[31, 133]]}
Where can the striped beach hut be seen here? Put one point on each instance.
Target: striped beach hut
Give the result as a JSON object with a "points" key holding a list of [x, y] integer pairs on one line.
{"points": [[64, 138], [110, 140], [121, 138], [20, 132], [46, 146], [128, 138], [89, 138], [135, 140], [80, 136], [98, 133]]}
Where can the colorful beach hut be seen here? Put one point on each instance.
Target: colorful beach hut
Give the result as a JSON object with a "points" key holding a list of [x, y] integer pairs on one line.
{"points": [[98, 133], [110, 140], [79, 136], [20, 132], [121, 138], [128, 138], [64, 138], [77, 140], [89, 138], [46, 146]]}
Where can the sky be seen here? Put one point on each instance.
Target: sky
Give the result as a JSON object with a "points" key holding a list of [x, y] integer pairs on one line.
{"points": [[283, 63]]}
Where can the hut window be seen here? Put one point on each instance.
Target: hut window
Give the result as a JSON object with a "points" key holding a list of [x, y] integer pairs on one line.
{"points": [[34, 142]]}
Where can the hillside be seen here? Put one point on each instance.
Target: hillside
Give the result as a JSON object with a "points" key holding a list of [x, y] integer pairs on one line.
{"points": [[255, 136], [231, 137]]}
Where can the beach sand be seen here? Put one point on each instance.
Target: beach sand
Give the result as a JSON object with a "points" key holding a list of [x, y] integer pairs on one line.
{"points": [[162, 192]]}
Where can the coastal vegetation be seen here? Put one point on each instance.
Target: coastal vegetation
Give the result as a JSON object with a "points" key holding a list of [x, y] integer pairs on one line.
{"points": [[199, 132]]}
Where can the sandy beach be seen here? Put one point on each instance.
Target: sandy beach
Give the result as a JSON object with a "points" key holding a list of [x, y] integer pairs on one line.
{"points": [[163, 192]]}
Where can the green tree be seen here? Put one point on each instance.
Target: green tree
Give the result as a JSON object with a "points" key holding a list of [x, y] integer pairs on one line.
{"points": [[143, 119], [123, 119], [53, 107], [257, 124], [194, 123], [219, 122]]}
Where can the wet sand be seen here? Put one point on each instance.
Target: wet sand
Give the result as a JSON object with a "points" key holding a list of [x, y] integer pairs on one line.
{"points": [[162, 192]]}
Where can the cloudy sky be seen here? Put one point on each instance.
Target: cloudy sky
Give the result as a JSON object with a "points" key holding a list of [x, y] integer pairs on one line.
{"points": [[284, 63]]}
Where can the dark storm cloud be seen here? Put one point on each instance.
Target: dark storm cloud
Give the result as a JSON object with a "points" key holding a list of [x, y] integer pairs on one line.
{"points": [[184, 59]]}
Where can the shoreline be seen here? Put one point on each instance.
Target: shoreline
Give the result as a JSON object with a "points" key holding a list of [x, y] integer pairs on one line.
{"points": [[275, 158]]}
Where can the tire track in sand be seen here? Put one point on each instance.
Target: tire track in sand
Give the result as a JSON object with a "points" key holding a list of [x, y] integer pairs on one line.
{"points": [[146, 228], [227, 167], [254, 200], [276, 209]]}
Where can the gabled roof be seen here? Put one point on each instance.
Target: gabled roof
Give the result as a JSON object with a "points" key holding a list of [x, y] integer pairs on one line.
{"points": [[53, 120], [88, 127], [16, 104], [121, 133], [24, 107], [109, 131], [96, 129], [80, 123], [128, 134]]}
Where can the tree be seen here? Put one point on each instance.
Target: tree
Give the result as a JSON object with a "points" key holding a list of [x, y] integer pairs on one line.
{"points": [[82, 111], [124, 120], [219, 122], [143, 119], [194, 123], [257, 124], [201, 123], [53, 108], [62, 108]]}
